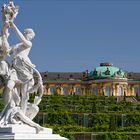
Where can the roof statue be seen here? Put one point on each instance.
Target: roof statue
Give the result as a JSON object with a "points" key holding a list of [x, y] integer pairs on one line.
{"points": [[107, 70]]}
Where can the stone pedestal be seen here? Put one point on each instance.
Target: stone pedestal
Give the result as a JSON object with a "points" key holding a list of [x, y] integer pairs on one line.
{"points": [[25, 132]]}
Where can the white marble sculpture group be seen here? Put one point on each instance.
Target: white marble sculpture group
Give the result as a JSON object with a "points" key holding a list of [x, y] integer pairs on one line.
{"points": [[20, 76]]}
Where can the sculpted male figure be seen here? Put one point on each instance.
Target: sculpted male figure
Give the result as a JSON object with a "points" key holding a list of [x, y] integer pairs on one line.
{"points": [[22, 63], [10, 77]]}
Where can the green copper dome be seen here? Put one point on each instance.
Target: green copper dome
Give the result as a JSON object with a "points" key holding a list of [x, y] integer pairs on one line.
{"points": [[106, 70]]}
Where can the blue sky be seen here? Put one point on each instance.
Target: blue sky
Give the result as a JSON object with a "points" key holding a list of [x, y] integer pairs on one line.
{"points": [[75, 35]]}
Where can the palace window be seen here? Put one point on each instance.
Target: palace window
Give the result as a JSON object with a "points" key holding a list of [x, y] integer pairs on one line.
{"points": [[136, 91], [95, 90], [108, 91], [52, 90], [78, 90], [120, 91], [65, 90]]}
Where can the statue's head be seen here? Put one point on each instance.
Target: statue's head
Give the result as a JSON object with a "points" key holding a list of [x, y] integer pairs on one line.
{"points": [[29, 34]]}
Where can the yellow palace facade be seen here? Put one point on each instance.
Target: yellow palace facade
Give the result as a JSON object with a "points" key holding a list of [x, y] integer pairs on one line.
{"points": [[104, 80]]}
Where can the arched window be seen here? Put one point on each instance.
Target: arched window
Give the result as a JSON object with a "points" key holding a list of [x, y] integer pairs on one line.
{"points": [[95, 90], [108, 91], [65, 90], [136, 91], [78, 90], [52, 90], [120, 91]]}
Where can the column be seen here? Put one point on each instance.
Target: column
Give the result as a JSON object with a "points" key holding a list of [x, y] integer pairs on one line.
{"points": [[132, 89], [113, 90], [103, 90], [99, 89], [125, 90], [117, 90], [62, 91], [49, 91]]}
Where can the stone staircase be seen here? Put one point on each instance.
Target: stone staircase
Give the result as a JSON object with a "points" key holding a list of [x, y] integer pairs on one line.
{"points": [[128, 99], [132, 99]]}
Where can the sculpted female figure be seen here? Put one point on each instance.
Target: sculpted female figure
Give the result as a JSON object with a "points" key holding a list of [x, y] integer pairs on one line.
{"points": [[23, 66], [22, 63]]}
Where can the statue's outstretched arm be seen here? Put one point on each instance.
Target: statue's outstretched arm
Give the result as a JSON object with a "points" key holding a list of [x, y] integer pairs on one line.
{"points": [[26, 42]]}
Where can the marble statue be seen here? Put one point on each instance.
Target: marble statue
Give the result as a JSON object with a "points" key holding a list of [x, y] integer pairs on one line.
{"points": [[20, 75], [20, 79]]}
